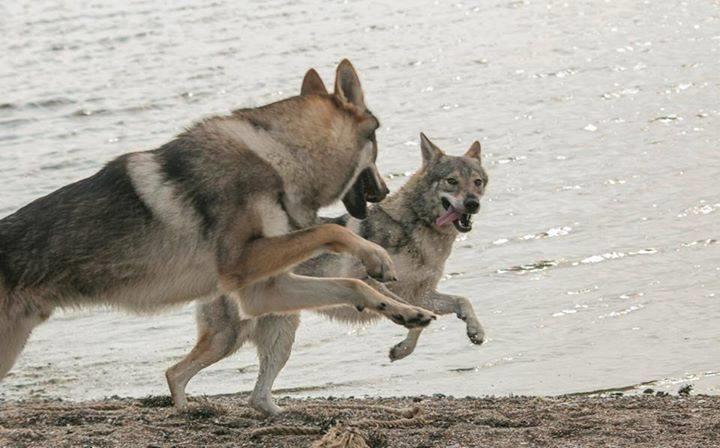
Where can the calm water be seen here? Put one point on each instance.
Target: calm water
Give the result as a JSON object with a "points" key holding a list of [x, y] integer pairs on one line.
{"points": [[594, 263]]}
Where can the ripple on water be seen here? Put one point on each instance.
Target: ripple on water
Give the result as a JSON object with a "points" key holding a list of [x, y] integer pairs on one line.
{"points": [[49, 103], [703, 208], [623, 312], [667, 118], [542, 265], [88, 112], [552, 232]]}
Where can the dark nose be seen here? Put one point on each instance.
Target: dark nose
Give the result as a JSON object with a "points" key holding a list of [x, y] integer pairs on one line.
{"points": [[377, 192], [472, 205]]}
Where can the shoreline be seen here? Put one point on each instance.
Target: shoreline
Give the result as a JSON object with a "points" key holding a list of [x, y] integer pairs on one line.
{"points": [[424, 421]]}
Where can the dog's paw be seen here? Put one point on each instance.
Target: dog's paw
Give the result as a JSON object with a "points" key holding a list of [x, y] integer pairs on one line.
{"points": [[399, 351], [408, 316], [476, 338], [476, 334], [265, 406], [377, 262]]}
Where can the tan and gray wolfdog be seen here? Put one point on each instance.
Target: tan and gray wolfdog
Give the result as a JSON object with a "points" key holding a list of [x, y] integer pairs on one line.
{"points": [[227, 207], [417, 226]]}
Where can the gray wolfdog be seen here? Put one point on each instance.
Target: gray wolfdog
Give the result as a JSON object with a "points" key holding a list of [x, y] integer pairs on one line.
{"points": [[227, 207], [413, 225]]}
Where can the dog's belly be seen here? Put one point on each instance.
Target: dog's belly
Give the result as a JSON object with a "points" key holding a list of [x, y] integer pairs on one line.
{"points": [[163, 286]]}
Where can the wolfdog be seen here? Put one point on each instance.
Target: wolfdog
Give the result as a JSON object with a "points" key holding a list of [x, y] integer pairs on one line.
{"points": [[417, 226], [227, 207]]}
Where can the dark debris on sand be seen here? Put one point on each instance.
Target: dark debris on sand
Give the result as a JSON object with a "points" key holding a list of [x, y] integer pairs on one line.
{"points": [[417, 422]]}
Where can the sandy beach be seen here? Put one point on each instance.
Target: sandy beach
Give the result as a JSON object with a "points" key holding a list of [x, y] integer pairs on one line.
{"points": [[569, 421]]}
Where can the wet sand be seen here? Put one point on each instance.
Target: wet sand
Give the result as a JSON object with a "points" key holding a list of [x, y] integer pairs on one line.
{"points": [[568, 421]]}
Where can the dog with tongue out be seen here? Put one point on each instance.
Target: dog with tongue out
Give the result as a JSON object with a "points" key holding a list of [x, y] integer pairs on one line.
{"points": [[454, 186]]}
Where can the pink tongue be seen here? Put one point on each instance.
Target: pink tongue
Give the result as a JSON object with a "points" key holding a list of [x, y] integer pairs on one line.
{"points": [[450, 215]]}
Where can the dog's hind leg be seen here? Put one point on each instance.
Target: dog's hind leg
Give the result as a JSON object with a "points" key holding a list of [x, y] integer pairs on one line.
{"points": [[221, 332], [15, 328], [274, 336]]}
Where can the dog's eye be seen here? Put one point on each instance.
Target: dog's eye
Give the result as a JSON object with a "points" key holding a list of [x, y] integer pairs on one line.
{"points": [[478, 182], [451, 181]]}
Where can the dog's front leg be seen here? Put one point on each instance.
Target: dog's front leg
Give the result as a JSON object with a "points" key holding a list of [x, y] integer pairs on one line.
{"points": [[447, 304], [404, 348], [289, 293], [243, 258], [274, 337]]}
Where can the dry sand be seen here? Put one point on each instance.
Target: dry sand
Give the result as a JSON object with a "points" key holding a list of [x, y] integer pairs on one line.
{"points": [[570, 421]]}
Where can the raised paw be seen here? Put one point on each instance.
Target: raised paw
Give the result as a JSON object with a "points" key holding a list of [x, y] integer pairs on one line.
{"points": [[400, 351], [377, 262], [475, 333], [407, 316]]}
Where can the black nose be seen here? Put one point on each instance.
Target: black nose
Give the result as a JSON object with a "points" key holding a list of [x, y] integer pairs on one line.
{"points": [[472, 205], [377, 196]]}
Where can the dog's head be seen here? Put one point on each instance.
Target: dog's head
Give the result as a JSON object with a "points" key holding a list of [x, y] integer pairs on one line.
{"points": [[450, 188], [365, 184]]}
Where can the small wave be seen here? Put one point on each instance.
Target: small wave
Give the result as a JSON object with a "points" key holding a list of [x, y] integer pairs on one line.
{"points": [[89, 112], [42, 104], [15, 122], [558, 74], [667, 118], [50, 103], [623, 312], [703, 208], [542, 265]]}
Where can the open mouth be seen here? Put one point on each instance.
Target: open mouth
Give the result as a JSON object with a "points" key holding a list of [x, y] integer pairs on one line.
{"points": [[461, 221]]}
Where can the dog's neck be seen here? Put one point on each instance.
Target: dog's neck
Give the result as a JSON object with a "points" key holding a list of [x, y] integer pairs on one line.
{"points": [[312, 161], [400, 208]]}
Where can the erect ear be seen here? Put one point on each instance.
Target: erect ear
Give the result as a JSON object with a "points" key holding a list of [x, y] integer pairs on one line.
{"points": [[312, 84], [474, 150], [430, 152], [347, 84]]}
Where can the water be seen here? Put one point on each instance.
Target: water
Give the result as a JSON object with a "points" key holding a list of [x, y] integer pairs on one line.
{"points": [[594, 263]]}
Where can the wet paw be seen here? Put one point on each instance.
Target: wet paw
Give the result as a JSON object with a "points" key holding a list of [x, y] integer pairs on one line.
{"points": [[476, 334], [399, 351], [476, 338]]}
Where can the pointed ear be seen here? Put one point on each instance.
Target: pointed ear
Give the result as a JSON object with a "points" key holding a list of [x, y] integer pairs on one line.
{"points": [[474, 150], [347, 84], [312, 84], [430, 152]]}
